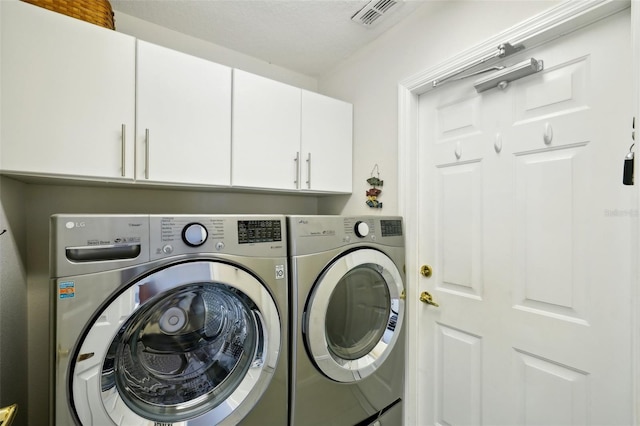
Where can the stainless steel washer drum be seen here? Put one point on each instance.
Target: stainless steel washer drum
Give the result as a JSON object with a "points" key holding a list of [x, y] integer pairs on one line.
{"points": [[203, 337]]}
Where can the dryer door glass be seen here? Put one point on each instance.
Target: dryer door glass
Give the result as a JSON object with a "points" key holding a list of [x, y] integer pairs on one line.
{"points": [[353, 315], [357, 313]]}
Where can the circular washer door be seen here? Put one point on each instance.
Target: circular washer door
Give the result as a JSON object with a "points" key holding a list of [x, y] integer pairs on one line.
{"points": [[354, 315], [193, 340]]}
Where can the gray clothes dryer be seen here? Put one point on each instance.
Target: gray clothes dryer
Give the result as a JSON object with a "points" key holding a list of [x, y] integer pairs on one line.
{"points": [[348, 309], [169, 320]]}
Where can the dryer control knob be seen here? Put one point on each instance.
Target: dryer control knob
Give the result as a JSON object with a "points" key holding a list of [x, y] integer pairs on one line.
{"points": [[361, 229], [194, 234]]}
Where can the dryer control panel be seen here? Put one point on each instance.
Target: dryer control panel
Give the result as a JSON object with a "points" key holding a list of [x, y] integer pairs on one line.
{"points": [[311, 234]]}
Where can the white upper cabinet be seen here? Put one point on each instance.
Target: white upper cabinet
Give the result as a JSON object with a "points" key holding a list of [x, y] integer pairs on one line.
{"points": [[326, 144], [289, 139], [183, 131], [82, 102], [266, 133], [68, 93]]}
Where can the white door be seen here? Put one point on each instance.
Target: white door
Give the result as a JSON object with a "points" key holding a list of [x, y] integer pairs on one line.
{"points": [[183, 118], [527, 226]]}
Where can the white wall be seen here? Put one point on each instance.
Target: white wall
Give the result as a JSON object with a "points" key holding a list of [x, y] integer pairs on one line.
{"points": [[435, 32], [25, 209], [369, 79], [174, 40], [13, 297]]}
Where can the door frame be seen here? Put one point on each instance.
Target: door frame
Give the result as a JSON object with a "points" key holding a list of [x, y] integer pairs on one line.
{"points": [[565, 17]]}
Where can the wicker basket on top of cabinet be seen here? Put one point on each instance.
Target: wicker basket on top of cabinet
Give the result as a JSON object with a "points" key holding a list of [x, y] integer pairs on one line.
{"points": [[97, 12]]}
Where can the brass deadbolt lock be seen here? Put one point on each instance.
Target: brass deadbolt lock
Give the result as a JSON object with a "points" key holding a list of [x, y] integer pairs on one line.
{"points": [[426, 271]]}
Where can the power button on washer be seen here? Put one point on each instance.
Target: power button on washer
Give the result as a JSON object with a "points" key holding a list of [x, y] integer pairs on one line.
{"points": [[167, 249]]}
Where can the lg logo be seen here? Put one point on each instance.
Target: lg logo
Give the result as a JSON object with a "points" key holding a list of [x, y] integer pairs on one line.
{"points": [[71, 225]]}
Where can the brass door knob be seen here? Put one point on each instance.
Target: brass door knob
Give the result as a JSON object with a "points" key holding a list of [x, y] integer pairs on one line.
{"points": [[425, 297], [426, 271]]}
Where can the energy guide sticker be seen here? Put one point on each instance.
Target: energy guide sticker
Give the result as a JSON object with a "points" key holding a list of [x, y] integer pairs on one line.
{"points": [[67, 289]]}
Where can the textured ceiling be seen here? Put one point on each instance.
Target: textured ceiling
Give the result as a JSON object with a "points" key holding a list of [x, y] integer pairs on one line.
{"points": [[307, 36]]}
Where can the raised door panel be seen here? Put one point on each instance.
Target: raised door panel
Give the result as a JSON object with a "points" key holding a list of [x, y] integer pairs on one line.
{"points": [[183, 109], [326, 146], [68, 92], [266, 133]]}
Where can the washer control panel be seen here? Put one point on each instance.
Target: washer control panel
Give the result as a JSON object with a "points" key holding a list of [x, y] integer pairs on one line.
{"points": [[259, 231], [184, 234], [194, 234], [218, 234]]}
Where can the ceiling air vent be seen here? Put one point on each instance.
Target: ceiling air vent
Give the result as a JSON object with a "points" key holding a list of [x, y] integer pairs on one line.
{"points": [[373, 11]]}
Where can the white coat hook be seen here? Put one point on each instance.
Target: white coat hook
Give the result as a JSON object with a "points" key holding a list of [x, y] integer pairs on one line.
{"points": [[548, 134], [458, 151], [497, 144]]}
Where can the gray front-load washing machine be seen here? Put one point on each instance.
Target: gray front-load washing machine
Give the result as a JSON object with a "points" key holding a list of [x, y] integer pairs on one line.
{"points": [[348, 309], [169, 320]]}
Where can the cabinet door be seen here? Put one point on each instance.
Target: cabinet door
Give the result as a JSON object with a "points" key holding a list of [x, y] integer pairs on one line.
{"points": [[327, 133], [266, 133], [68, 91], [183, 126]]}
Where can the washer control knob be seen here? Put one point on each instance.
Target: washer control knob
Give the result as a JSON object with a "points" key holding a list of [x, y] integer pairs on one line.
{"points": [[194, 234], [361, 229]]}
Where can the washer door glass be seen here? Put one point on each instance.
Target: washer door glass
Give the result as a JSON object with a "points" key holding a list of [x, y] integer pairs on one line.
{"points": [[354, 315], [186, 351], [194, 340]]}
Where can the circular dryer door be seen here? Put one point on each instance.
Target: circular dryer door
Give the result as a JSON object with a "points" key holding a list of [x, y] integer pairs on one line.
{"points": [[354, 315], [196, 340]]}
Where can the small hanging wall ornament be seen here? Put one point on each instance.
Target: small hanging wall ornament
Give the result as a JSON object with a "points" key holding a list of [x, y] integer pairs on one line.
{"points": [[372, 194]]}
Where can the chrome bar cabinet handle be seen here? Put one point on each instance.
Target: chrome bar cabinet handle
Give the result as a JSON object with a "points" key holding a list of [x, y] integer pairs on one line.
{"points": [[123, 142], [146, 154]]}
